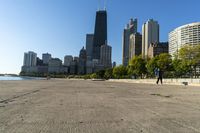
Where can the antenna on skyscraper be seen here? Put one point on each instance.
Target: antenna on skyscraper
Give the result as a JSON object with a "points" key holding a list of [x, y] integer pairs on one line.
{"points": [[105, 2], [99, 3]]}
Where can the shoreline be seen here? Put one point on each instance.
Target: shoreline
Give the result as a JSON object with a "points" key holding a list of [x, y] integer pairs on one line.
{"points": [[178, 81]]}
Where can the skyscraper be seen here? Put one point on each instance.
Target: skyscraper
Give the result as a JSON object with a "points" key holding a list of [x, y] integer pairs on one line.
{"points": [[74, 65], [82, 61], [100, 33], [89, 45], [131, 28], [135, 46], [105, 56], [30, 59], [150, 34]]}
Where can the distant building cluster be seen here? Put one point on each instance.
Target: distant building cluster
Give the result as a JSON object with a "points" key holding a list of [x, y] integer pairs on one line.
{"points": [[33, 64], [146, 44], [97, 55]]}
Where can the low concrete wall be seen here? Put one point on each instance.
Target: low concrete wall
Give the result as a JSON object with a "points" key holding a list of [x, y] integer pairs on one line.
{"points": [[191, 82]]}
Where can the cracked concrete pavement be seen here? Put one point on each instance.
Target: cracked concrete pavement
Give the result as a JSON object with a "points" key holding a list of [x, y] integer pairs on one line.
{"points": [[84, 106]]}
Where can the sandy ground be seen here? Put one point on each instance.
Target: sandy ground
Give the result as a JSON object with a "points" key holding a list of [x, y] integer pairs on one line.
{"points": [[77, 106]]}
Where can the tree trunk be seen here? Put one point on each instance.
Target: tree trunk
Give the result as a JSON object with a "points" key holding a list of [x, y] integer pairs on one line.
{"points": [[195, 72]]}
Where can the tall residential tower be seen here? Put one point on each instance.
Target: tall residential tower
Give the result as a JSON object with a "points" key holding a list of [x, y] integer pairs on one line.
{"points": [[30, 59], [89, 45], [188, 34], [105, 56], [131, 28], [150, 34], [135, 45]]}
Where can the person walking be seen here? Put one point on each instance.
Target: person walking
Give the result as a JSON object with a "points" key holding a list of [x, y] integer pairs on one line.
{"points": [[159, 75]]}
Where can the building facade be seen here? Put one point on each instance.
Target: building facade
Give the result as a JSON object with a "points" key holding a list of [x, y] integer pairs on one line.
{"points": [[46, 58], [89, 45], [82, 62], [100, 33], [188, 34], [67, 60], [158, 48], [89, 67], [150, 34], [131, 28], [30, 59], [105, 56], [31, 63], [39, 62], [135, 45], [74, 66], [55, 65]]}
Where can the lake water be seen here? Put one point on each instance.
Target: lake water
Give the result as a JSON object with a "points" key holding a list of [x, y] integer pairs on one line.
{"points": [[18, 78]]}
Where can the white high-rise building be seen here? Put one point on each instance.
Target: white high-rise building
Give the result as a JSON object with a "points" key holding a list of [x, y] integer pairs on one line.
{"points": [[30, 59], [67, 60], [188, 34], [150, 34], [46, 58]]}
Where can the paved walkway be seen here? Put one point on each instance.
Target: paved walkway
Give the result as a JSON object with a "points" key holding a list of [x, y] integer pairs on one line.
{"points": [[73, 106], [189, 82]]}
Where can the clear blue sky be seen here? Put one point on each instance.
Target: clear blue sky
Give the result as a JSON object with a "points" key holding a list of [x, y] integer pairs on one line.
{"points": [[59, 26]]}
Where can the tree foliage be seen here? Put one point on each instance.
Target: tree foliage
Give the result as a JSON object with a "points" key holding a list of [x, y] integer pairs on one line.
{"points": [[190, 56], [151, 65], [137, 66], [164, 61], [180, 67], [120, 71], [108, 73], [100, 74]]}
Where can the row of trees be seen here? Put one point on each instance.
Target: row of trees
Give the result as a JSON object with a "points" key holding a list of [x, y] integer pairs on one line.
{"points": [[183, 64]]}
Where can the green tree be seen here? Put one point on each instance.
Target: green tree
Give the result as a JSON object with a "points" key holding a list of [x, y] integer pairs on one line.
{"points": [[100, 74], [191, 56], [180, 67], [137, 66], [120, 72], [151, 65], [93, 76], [108, 73], [164, 61]]}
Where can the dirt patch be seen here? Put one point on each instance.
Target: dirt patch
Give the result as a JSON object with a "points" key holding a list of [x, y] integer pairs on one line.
{"points": [[160, 95]]}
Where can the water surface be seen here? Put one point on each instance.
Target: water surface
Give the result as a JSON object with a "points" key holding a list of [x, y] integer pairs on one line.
{"points": [[18, 78]]}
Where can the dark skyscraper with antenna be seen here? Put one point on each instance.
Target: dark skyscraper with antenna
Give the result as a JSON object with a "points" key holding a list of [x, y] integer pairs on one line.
{"points": [[100, 33]]}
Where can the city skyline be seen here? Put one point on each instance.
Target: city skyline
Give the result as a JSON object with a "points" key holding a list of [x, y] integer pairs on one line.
{"points": [[24, 26], [97, 55]]}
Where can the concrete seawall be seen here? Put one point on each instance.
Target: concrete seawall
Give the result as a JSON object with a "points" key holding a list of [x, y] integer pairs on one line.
{"points": [[191, 82]]}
